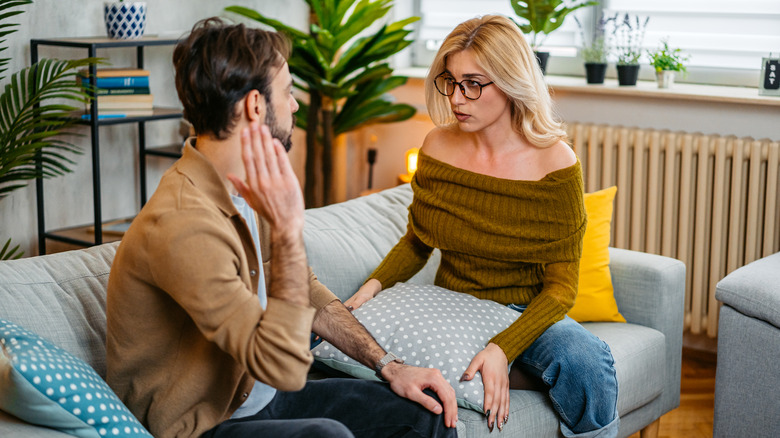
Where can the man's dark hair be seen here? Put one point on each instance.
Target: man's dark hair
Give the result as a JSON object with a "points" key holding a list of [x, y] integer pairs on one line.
{"points": [[218, 64]]}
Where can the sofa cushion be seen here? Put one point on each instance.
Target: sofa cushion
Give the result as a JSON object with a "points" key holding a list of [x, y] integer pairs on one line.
{"points": [[345, 242], [428, 326], [595, 297], [45, 385], [61, 297], [639, 362], [639, 354]]}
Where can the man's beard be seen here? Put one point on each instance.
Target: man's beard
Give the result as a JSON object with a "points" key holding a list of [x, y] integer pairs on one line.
{"points": [[277, 132]]}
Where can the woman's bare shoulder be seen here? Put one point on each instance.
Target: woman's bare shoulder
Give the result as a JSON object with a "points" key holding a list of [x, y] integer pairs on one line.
{"points": [[439, 141], [559, 156]]}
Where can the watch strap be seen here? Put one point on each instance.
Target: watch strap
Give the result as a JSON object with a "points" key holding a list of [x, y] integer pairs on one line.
{"points": [[389, 357]]}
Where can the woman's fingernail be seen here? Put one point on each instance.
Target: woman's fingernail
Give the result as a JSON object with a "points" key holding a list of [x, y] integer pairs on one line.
{"points": [[487, 414], [506, 418], [464, 377], [500, 425]]}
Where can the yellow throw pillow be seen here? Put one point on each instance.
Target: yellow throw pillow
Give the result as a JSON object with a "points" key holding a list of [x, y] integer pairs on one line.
{"points": [[595, 297]]}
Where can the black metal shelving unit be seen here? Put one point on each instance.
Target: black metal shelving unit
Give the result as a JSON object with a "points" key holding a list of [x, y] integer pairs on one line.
{"points": [[92, 44]]}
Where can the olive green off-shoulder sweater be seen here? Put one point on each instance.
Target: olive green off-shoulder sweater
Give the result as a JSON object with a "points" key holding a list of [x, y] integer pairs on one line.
{"points": [[510, 241]]}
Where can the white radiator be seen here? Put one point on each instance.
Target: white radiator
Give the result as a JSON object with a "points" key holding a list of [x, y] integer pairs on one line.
{"points": [[707, 200]]}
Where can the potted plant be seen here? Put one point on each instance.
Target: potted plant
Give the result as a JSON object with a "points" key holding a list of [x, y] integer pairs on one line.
{"points": [[666, 62], [595, 52], [541, 18], [125, 20], [346, 77], [629, 34], [31, 124]]}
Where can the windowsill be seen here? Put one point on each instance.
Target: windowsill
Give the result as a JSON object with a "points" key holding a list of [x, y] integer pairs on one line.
{"points": [[678, 91], [645, 89]]}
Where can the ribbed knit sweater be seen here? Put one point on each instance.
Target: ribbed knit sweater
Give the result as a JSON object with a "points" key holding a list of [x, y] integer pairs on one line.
{"points": [[510, 241]]}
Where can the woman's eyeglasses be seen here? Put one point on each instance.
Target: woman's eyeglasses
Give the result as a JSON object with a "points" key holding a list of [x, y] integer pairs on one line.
{"points": [[445, 84]]}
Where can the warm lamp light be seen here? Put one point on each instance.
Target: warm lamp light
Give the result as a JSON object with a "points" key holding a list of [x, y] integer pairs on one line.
{"points": [[411, 160], [411, 165]]}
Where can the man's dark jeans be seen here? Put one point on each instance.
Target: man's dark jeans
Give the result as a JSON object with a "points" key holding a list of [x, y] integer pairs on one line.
{"points": [[338, 408]]}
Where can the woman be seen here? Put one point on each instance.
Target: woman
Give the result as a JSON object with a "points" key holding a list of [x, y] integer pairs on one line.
{"points": [[499, 192]]}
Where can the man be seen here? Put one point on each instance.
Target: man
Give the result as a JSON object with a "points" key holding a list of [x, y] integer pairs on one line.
{"points": [[201, 341]]}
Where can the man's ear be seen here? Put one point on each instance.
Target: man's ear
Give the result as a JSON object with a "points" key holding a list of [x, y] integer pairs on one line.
{"points": [[254, 106]]}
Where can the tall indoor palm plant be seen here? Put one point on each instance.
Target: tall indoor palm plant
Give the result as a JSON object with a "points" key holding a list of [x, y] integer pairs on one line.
{"points": [[345, 75], [34, 108]]}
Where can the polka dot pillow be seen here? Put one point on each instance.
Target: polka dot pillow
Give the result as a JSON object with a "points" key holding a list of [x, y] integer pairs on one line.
{"points": [[427, 326], [45, 385]]}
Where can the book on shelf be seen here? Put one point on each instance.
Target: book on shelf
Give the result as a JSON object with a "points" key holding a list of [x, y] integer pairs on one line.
{"points": [[125, 101], [108, 78], [118, 113], [121, 82], [115, 72], [122, 91]]}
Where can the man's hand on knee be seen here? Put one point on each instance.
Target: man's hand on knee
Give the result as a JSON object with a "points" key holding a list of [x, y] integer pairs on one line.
{"points": [[409, 382]]}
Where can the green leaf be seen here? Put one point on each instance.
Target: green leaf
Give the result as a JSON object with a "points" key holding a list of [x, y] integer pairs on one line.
{"points": [[352, 58], [12, 253], [278, 25], [376, 111], [375, 72], [362, 17], [370, 92]]}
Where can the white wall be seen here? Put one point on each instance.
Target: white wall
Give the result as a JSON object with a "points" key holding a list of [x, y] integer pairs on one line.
{"points": [[69, 198]]}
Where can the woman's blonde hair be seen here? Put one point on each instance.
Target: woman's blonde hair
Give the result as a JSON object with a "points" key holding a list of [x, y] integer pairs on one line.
{"points": [[500, 48]]}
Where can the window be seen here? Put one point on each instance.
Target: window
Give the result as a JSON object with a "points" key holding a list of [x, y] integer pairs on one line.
{"points": [[439, 17], [725, 39]]}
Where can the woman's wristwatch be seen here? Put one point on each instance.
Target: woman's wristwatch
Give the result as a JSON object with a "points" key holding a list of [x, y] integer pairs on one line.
{"points": [[389, 357]]}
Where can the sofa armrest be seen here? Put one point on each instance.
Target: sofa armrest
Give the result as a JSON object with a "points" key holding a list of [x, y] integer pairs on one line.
{"points": [[650, 291], [753, 289]]}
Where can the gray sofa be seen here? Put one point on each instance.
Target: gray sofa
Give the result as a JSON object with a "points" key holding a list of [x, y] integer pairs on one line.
{"points": [[62, 297], [747, 379]]}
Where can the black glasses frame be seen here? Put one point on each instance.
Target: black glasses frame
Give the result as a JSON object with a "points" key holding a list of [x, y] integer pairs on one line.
{"points": [[460, 85]]}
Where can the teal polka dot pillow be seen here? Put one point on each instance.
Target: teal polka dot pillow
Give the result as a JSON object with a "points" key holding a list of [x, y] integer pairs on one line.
{"points": [[45, 385], [427, 326]]}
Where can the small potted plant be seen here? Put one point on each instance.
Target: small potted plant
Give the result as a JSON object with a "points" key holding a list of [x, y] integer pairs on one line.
{"points": [[542, 17], [629, 34], [667, 62], [125, 20], [596, 52]]}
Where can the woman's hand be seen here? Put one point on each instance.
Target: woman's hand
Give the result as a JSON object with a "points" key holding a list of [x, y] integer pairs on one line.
{"points": [[492, 363], [365, 293]]}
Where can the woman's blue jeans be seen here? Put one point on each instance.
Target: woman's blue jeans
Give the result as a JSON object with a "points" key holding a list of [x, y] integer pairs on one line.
{"points": [[579, 369]]}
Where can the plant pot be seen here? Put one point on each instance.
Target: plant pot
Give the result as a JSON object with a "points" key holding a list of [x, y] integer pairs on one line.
{"points": [[542, 58], [125, 20], [627, 74], [664, 78], [595, 72]]}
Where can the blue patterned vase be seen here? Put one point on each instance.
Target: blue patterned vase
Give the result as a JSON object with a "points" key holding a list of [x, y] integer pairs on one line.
{"points": [[126, 20]]}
